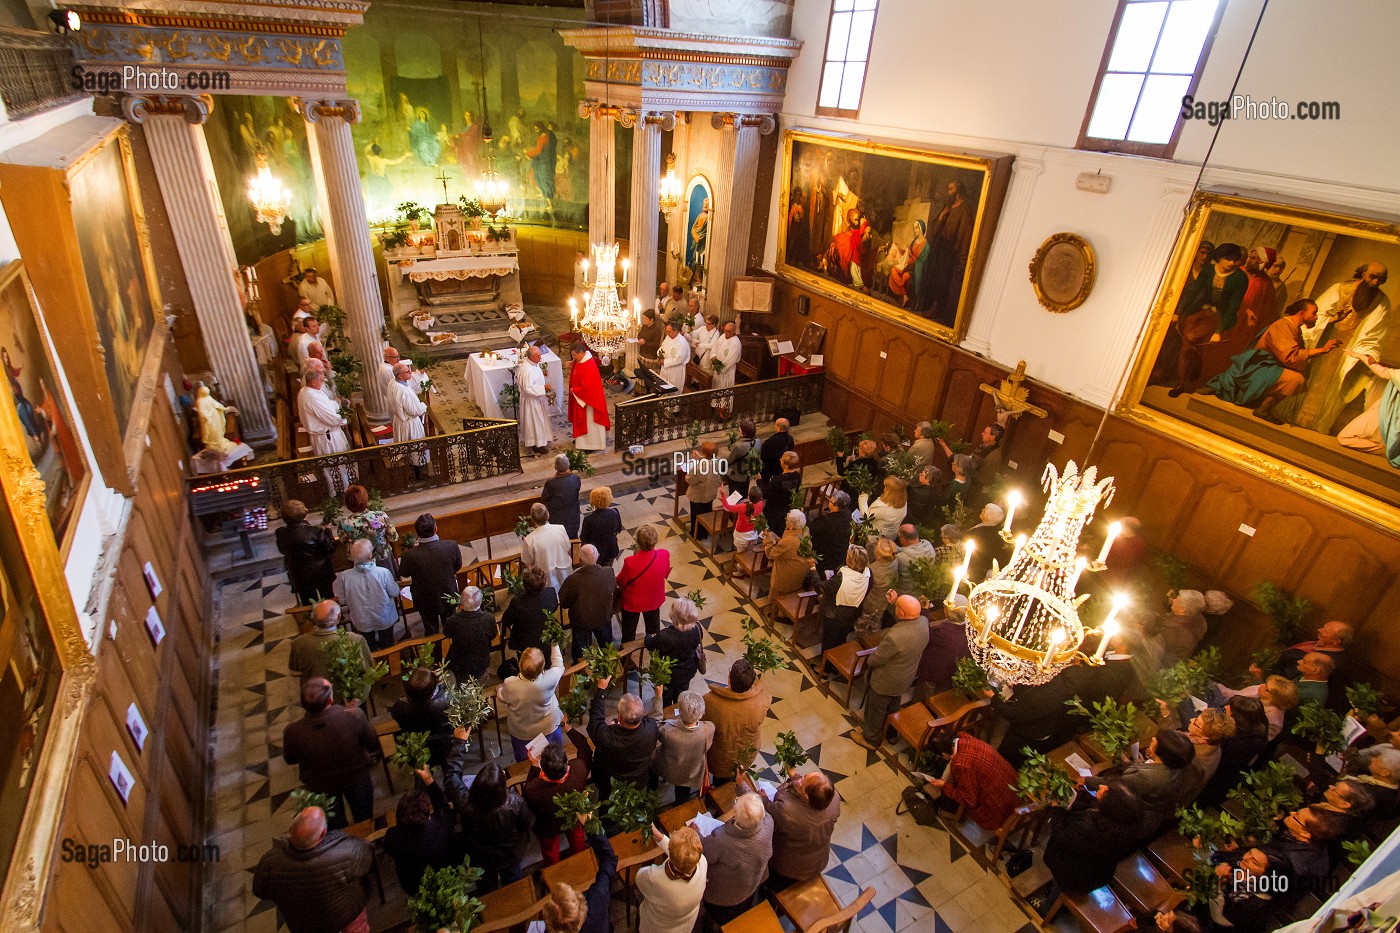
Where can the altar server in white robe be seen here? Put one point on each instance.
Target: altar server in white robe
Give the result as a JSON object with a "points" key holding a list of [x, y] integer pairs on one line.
{"points": [[726, 351], [327, 378], [320, 418], [535, 430], [386, 372], [316, 290], [704, 338], [675, 353], [406, 410], [301, 342]]}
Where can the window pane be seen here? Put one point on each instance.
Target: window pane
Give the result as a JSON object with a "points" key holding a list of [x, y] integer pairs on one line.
{"points": [[1158, 108], [842, 6], [866, 5], [1114, 107], [851, 85], [1183, 36], [858, 50], [1137, 36], [837, 39], [831, 84]]}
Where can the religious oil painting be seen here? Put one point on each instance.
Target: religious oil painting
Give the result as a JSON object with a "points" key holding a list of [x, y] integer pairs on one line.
{"points": [[50, 436], [1275, 342], [109, 244], [902, 232], [699, 208]]}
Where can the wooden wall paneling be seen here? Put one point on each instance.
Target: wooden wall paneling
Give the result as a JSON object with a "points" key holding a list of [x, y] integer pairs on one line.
{"points": [[1258, 557], [925, 396], [1209, 539], [103, 735], [161, 913], [133, 646], [114, 688], [1344, 575], [82, 900], [895, 374]]}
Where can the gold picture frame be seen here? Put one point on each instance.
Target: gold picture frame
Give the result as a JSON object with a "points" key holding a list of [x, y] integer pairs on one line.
{"points": [[1321, 250], [38, 621], [48, 430], [1062, 272], [75, 208], [892, 229]]}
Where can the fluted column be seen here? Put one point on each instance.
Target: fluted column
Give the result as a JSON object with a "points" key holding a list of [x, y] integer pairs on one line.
{"points": [[347, 236], [602, 200], [174, 130], [730, 251], [646, 221]]}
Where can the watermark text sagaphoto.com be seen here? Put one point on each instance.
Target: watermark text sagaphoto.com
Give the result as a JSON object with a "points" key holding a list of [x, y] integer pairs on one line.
{"points": [[1245, 107], [96, 854], [138, 78]]}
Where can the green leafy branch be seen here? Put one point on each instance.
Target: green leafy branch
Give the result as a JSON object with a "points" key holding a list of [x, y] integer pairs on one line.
{"points": [[568, 807], [1112, 723], [659, 669], [467, 705], [632, 808], [1365, 699], [554, 632], [970, 679], [1040, 780], [578, 462], [602, 662], [444, 900], [303, 799], [410, 750], [789, 751], [761, 652], [345, 668], [1321, 726], [1289, 613]]}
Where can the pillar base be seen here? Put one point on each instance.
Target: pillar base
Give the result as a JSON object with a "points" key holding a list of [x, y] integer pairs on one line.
{"points": [[262, 440]]}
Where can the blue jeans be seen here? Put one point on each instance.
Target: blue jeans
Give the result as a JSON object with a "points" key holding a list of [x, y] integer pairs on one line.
{"points": [[519, 744]]}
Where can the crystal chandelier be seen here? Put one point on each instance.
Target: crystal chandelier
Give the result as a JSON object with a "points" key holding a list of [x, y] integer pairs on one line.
{"points": [[606, 322], [270, 197], [671, 192], [1023, 624]]}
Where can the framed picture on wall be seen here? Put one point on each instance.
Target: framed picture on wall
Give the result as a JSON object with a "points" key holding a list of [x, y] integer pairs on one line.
{"points": [[1274, 343], [46, 676], [75, 208], [49, 433], [895, 230]]}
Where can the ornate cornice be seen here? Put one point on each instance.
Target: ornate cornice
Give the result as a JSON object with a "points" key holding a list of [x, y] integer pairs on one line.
{"points": [[136, 108], [203, 46], [288, 15], [317, 110], [636, 40]]}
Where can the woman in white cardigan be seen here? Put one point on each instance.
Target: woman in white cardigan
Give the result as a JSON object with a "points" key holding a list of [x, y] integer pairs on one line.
{"points": [[888, 510], [529, 698], [672, 891]]}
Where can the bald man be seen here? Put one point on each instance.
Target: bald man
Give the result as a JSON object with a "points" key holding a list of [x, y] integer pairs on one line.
{"points": [[316, 876], [331, 746], [386, 371], [893, 667]]}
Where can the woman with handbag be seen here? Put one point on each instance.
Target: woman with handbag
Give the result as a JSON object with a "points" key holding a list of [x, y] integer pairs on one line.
{"points": [[679, 641], [641, 584], [681, 748]]}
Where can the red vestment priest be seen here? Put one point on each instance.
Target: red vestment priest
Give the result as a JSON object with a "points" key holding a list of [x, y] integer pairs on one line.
{"points": [[588, 405]]}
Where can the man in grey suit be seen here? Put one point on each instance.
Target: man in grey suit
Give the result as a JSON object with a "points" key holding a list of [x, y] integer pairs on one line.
{"points": [[588, 595], [893, 667]]}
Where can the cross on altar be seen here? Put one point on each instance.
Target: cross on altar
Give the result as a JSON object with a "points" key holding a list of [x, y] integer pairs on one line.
{"points": [[442, 177]]}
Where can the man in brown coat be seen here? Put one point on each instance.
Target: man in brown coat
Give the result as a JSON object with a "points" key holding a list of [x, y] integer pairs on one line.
{"points": [[738, 712], [804, 810]]}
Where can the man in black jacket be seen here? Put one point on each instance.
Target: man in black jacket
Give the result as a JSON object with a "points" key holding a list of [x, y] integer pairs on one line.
{"points": [[307, 550], [332, 745], [318, 878], [1038, 716], [431, 568], [589, 911], [831, 533], [622, 749], [472, 629], [588, 595], [771, 451], [424, 709]]}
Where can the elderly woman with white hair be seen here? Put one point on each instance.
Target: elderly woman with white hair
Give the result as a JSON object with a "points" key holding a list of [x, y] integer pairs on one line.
{"points": [[547, 547], [1183, 626], [471, 630], [738, 854], [789, 569], [682, 745], [679, 641]]}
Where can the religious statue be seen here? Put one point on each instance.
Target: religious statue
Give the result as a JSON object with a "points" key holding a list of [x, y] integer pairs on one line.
{"points": [[213, 422]]}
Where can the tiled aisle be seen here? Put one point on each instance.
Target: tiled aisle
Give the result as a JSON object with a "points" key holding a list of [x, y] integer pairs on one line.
{"points": [[924, 878]]}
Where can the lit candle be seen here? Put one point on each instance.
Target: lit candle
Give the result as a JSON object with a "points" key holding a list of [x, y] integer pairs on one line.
{"points": [[1110, 625], [637, 310], [626, 264], [584, 263], [1013, 500], [957, 583], [586, 297], [968, 547], [993, 613], [1079, 564], [1113, 530], [1056, 636], [573, 312], [1020, 543]]}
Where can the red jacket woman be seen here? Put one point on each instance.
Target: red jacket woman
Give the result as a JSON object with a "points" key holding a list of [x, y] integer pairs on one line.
{"points": [[642, 584]]}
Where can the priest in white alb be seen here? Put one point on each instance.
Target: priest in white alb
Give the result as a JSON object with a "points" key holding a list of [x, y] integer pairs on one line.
{"points": [[704, 338], [724, 359], [675, 354], [386, 372], [406, 410], [320, 419], [535, 431]]}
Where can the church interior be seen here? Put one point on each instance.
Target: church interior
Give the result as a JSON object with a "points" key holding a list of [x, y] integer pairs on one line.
{"points": [[741, 466]]}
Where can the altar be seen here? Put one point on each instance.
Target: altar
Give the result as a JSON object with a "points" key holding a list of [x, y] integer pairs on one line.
{"points": [[486, 377]]}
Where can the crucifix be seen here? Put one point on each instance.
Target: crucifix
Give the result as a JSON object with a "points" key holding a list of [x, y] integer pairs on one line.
{"points": [[442, 177]]}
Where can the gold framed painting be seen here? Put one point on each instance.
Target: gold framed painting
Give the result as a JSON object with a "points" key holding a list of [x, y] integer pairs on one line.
{"points": [[895, 230], [1273, 343], [75, 207], [1062, 272], [46, 677], [49, 433]]}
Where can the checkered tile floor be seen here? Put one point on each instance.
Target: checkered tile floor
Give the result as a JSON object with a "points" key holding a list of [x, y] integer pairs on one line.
{"points": [[925, 878]]}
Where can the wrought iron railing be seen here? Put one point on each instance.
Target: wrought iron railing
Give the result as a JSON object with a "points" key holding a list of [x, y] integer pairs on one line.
{"points": [[36, 72], [488, 447], [670, 417]]}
